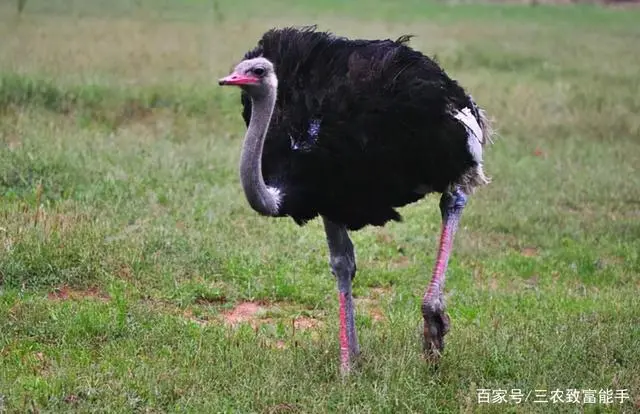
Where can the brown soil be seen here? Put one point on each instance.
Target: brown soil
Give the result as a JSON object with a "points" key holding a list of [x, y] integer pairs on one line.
{"points": [[67, 293]]}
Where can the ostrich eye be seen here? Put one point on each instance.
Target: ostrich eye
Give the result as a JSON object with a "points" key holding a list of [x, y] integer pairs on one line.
{"points": [[258, 71]]}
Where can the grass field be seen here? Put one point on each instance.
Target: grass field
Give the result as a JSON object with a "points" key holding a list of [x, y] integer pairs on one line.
{"points": [[135, 278]]}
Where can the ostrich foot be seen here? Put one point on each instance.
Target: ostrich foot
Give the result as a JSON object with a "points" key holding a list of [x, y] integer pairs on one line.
{"points": [[349, 364], [436, 326]]}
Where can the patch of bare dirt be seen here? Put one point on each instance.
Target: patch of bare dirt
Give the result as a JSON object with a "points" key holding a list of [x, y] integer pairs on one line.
{"points": [[376, 314], [370, 304], [303, 322], [283, 408], [188, 314], [254, 314], [243, 312], [67, 293], [125, 272], [529, 251], [379, 291], [280, 344]]}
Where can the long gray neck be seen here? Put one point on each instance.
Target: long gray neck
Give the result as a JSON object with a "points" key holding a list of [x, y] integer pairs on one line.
{"points": [[265, 200]]}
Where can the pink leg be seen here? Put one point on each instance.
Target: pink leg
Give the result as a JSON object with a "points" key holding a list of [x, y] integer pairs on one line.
{"points": [[436, 321], [344, 341], [343, 266]]}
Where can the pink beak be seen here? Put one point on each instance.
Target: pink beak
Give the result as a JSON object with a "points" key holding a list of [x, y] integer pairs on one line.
{"points": [[235, 79]]}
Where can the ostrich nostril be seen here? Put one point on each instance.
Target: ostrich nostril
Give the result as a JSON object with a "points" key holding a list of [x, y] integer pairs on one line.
{"points": [[226, 80]]}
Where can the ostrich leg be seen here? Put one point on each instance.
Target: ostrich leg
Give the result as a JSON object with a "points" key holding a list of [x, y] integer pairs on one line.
{"points": [[343, 266], [436, 321]]}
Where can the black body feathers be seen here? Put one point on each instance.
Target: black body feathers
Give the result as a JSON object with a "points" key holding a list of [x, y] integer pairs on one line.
{"points": [[360, 127]]}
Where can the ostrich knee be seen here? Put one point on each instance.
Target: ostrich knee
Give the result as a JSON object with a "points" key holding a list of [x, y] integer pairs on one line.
{"points": [[343, 267]]}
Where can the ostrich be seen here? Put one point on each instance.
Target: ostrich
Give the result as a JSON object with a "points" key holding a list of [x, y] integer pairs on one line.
{"points": [[350, 130]]}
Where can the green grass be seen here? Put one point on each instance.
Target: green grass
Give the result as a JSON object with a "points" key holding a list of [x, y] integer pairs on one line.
{"points": [[125, 237]]}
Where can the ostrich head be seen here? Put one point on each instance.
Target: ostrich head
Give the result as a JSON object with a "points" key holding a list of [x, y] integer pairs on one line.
{"points": [[256, 76], [258, 79]]}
